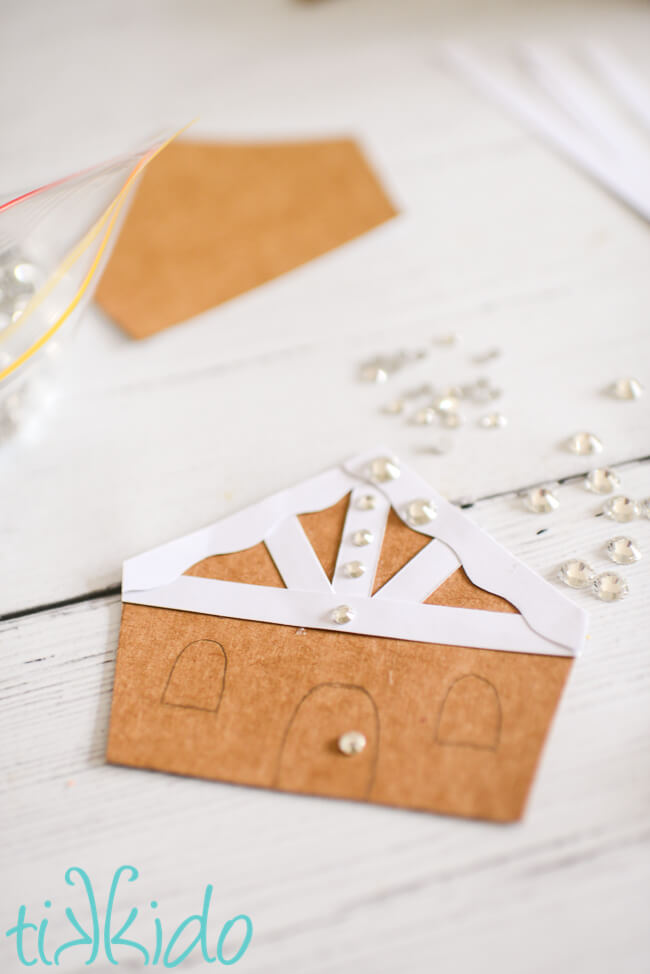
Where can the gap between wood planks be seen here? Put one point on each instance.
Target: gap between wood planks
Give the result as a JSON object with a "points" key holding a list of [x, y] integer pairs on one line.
{"points": [[115, 589]]}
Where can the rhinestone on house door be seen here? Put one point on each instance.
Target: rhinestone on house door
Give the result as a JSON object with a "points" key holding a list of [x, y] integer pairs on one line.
{"points": [[352, 742], [383, 469], [602, 481], [583, 444], [576, 573], [342, 614], [420, 511], [610, 587], [623, 551], [620, 508], [541, 500]]}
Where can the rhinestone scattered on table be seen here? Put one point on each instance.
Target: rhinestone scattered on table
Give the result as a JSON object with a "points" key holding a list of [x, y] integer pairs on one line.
{"points": [[492, 421], [623, 551], [584, 444], [576, 573], [610, 587], [627, 389], [620, 508], [602, 480], [541, 500]]}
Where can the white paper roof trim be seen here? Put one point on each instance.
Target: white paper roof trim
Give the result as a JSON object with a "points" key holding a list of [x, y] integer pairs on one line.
{"points": [[550, 623]]}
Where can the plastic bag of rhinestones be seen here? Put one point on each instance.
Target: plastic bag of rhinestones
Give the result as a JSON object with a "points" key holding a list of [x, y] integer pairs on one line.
{"points": [[54, 241]]}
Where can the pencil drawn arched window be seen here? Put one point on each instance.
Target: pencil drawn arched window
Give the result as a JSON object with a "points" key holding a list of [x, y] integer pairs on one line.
{"points": [[198, 676], [470, 714]]}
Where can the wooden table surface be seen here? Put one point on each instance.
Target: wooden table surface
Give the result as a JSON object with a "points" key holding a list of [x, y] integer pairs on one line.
{"points": [[499, 241]]}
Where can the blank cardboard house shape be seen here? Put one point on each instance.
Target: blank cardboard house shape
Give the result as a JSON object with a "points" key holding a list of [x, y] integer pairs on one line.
{"points": [[358, 601]]}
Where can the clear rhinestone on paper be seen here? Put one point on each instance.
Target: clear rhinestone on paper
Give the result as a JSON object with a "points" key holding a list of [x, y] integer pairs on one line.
{"points": [[627, 389], [623, 551], [342, 614], [541, 500], [644, 507], [351, 743], [583, 444], [373, 372], [420, 511], [424, 416], [620, 508], [576, 573], [354, 569], [367, 502], [493, 421], [609, 587], [383, 469], [602, 481], [362, 538]]}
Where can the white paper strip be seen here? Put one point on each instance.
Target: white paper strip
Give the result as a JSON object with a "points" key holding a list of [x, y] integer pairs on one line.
{"points": [[235, 533], [358, 519], [629, 183], [295, 558], [373, 617], [628, 87], [422, 575], [486, 562]]}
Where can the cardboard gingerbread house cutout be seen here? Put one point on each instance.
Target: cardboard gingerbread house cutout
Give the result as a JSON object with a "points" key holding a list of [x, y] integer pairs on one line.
{"points": [[356, 636]]}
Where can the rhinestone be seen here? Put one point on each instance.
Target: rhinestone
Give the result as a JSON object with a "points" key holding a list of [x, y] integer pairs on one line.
{"points": [[25, 273], [300, 632], [367, 502], [395, 407], [627, 389], [383, 469], [644, 508], [541, 500], [584, 443], [449, 339], [452, 420], [373, 372], [354, 569], [620, 508], [342, 614], [609, 587], [576, 573], [420, 511], [424, 416], [362, 538], [445, 404], [492, 421], [602, 481], [353, 742], [623, 551]]}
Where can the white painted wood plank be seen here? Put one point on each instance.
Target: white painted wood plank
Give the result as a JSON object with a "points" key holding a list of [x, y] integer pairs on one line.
{"points": [[335, 886]]}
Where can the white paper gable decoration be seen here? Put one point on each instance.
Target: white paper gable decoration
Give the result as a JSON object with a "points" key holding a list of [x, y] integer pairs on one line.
{"points": [[547, 622]]}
